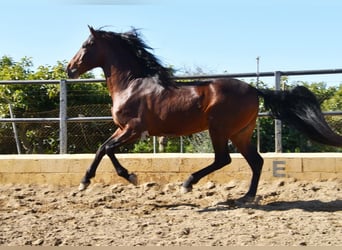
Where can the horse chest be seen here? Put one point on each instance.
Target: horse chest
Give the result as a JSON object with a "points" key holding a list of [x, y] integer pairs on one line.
{"points": [[120, 108], [125, 106], [127, 103]]}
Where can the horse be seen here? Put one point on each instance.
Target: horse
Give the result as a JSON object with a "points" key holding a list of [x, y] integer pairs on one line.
{"points": [[146, 100]]}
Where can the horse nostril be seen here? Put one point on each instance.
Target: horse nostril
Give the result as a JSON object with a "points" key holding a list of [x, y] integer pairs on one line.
{"points": [[72, 73]]}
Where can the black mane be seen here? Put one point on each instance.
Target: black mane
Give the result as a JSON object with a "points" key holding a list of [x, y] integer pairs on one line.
{"points": [[150, 65]]}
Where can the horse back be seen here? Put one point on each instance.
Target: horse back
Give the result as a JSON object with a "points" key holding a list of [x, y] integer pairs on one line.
{"points": [[191, 108]]}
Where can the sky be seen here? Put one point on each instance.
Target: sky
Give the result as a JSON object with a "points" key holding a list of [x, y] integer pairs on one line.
{"points": [[219, 36]]}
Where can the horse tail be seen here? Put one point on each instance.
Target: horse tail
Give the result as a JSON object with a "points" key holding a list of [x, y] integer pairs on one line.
{"points": [[300, 108]]}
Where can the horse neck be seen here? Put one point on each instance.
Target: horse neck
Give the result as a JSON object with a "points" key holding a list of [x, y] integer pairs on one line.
{"points": [[117, 78]]}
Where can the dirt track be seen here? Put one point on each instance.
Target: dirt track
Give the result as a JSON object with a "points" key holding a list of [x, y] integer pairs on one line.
{"points": [[287, 213]]}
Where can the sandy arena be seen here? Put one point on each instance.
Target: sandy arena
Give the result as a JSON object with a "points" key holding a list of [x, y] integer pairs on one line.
{"points": [[287, 213]]}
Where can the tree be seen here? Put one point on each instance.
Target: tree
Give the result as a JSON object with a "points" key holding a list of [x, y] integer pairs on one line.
{"points": [[42, 100], [92, 99]]}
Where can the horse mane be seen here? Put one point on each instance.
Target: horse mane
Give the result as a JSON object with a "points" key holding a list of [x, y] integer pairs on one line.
{"points": [[150, 65]]}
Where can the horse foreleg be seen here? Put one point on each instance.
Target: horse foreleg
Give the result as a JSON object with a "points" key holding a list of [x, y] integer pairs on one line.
{"points": [[123, 136], [121, 171], [119, 138], [91, 171]]}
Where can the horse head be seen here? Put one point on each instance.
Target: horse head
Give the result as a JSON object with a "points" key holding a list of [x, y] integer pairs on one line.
{"points": [[89, 56]]}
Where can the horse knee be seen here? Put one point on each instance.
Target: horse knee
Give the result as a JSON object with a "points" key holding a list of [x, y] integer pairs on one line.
{"points": [[109, 150]]}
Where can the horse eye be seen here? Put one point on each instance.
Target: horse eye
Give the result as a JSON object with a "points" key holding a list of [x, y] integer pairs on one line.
{"points": [[88, 44]]}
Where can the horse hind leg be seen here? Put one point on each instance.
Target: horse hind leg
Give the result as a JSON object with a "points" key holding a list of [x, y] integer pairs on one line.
{"points": [[222, 159], [242, 141]]}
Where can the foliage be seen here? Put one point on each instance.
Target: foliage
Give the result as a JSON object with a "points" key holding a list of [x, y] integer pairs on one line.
{"points": [[293, 140], [143, 146], [42, 100]]}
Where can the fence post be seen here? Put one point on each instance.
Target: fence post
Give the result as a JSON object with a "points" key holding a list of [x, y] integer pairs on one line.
{"points": [[277, 123], [63, 134], [154, 144], [16, 137]]}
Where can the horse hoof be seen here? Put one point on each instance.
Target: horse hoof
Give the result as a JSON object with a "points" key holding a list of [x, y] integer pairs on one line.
{"points": [[185, 190], [83, 186], [133, 179], [247, 200]]}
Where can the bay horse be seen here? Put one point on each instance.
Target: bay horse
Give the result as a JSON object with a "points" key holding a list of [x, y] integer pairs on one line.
{"points": [[147, 101]]}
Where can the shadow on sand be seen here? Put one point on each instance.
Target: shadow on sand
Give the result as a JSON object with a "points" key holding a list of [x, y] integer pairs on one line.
{"points": [[310, 206]]}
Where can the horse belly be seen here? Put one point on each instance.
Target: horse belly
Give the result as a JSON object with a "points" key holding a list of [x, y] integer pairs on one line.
{"points": [[183, 112], [182, 123]]}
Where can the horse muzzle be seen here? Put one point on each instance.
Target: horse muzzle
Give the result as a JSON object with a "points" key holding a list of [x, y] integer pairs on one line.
{"points": [[72, 73]]}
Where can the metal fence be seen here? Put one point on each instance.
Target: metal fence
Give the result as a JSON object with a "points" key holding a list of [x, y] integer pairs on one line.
{"points": [[63, 118]]}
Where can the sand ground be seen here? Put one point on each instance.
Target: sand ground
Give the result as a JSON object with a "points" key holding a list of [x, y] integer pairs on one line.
{"points": [[286, 213]]}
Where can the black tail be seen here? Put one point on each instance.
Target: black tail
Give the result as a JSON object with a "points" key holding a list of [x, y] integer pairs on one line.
{"points": [[300, 108]]}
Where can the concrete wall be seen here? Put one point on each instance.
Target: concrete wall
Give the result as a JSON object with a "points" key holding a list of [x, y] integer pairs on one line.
{"points": [[165, 168]]}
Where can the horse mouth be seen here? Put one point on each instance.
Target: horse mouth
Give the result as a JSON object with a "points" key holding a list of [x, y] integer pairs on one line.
{"points": [[73, 73]]}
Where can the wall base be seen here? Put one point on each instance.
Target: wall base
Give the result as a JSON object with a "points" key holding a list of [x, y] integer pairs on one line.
{"points": [[165, 168]]}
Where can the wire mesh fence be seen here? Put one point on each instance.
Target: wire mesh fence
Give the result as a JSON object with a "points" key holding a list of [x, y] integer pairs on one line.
{"points": [[43, 137], [86, 137], [91, 99]]}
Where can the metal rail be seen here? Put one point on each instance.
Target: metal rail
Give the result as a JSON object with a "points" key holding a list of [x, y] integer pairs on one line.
{"points": [[63, 119], [109, 118]]}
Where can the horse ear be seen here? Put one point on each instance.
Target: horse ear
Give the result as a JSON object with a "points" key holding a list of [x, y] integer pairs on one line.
{"points": [[92, 31]]}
